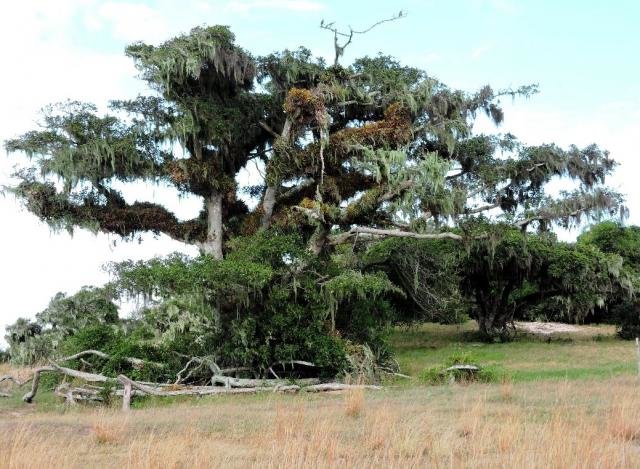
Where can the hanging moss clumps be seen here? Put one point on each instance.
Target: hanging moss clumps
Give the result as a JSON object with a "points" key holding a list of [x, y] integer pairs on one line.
{"points": [[206, 55]]}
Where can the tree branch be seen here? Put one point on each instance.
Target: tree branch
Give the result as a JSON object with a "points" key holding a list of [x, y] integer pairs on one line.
{"points": [[482, 208], [344, 237], [339, 49], [268, 129]]}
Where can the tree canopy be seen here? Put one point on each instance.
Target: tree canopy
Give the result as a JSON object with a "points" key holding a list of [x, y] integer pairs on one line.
{"points": [[375, 148], [349, 154]]}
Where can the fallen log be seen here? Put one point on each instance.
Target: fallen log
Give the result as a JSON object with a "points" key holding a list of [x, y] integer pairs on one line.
{"points": [[131, 387], [230, 382], [28, 397], [136, 362], [325, 387], [14, 380], [289, 389], [90, 377], [83, 375], [188, 390]]}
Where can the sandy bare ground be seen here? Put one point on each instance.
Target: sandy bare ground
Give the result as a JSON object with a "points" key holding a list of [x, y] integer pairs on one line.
{"points": [[549, 328]]}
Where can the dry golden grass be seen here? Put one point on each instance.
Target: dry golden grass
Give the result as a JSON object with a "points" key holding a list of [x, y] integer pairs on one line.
{"points": [[543, 424], [354, 402], [18, 372], [106, 430]]}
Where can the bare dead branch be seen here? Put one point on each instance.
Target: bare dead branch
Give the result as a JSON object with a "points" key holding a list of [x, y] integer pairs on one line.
{"points": [[28, 397], [344, 237], [481, 209], [294, 362], [339, 49], [14, 380], [230, 382], [84, 353], [338, 387], [136, 362], [35, 381]]}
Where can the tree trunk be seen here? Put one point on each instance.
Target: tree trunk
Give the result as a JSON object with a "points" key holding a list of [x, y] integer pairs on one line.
{"points": [[494, 324], [486, 328], [213, 244], [319, 239], [268, 203]]}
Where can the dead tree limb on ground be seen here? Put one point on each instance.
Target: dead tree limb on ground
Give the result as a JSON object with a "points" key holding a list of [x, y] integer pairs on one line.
{"points": [[135, 362], [324, 387]]}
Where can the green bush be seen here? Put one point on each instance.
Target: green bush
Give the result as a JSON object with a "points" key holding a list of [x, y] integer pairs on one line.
{"points": [[626, 315], [442, 375], [33, 341], [161, 363], [266, 302]]}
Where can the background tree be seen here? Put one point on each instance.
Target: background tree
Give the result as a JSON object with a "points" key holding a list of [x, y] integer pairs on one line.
{"points": [[621, 307], [428, 271], [523, 271], [65, 316]]}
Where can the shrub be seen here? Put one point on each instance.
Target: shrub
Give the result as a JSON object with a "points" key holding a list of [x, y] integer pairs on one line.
{"points": [[626, 315], [34, 341], [442, 374], [266, 302]]}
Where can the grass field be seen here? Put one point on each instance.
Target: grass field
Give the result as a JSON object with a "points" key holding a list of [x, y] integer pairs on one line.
{"points": [[592, 352], [572, 402]]}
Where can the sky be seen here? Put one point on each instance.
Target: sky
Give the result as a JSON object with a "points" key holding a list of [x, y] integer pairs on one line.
{"points": [[583, 54]]}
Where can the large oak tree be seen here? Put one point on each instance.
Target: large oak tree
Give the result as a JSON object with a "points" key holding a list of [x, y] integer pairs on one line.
{"points": [[350, 152]]}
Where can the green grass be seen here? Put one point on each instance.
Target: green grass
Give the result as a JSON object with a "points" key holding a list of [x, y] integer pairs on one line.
{"points": [[594, 352]]}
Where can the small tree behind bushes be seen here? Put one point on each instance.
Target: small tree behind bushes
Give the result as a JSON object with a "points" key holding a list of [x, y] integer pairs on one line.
{"points": [[33, 341], [514, 275], [620, 308]]}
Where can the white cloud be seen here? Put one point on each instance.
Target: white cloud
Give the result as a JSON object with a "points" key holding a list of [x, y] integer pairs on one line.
{"points": [[291, 5], [133, 21], [480, 51], [509, 7]]}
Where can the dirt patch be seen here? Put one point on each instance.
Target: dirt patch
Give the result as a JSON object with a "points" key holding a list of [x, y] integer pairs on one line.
{"points": [[546, 328]]}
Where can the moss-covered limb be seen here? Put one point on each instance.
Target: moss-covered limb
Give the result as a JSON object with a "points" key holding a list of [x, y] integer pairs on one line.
{"points": [[206, 58], [89, 210], [564, 212], [201, 175], [370, 202], [571, 208], [78, 145], [392, 132], [520, 179]]}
